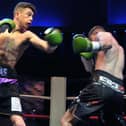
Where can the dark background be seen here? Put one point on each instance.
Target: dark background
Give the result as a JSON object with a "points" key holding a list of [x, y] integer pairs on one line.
{"points": [[77, 14], [71, 16]]}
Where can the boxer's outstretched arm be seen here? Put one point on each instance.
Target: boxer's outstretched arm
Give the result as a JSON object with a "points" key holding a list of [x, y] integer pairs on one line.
{"points": [[52, 40]]}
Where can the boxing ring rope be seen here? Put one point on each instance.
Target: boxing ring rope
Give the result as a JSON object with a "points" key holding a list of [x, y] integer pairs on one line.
{"points": [[57, 102], [43, 97], [38, 97], [48, 98], [36, 116]]}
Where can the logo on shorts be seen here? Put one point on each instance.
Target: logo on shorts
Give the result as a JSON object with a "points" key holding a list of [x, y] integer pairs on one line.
{"points": [[3, 71], [110, 84]]}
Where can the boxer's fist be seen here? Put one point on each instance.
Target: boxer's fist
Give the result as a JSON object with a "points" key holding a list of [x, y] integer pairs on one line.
{"points": [[53, 36], [5, 24], [83, 44]]}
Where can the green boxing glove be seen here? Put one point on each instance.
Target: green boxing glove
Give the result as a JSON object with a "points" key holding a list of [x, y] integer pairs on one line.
{"points": [[87, 55], [7, 23], [83, 44], [53, 36]]}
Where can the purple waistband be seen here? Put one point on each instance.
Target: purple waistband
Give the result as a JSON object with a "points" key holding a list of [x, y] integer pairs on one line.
{"points": [[8, 80]]}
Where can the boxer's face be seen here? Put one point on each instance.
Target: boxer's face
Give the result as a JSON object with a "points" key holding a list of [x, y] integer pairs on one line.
{"points": [[93, 36], [25, 17]]}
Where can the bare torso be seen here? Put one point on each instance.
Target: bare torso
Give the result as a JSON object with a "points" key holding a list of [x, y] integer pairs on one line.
{"points": [[12, 48], [112, 61]]}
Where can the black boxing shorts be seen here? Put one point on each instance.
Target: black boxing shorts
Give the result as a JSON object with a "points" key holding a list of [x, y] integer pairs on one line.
{"points": [[108, 80], [9, 92], [104, 88]]}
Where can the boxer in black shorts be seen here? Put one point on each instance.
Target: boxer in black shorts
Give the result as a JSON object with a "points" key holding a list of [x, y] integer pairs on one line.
{"points": [[103, 92], [104, 96], [14, 40]]}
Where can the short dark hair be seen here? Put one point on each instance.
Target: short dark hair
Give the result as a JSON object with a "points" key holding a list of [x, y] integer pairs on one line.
{"points": [[94, 28], [24, 5]]}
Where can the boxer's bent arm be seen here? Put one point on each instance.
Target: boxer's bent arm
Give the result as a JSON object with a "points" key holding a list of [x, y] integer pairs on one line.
{"points": [[39, 43]]}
